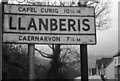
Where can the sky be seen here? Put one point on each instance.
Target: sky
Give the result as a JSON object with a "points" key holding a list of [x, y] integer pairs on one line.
{"points": [[107, 40]]}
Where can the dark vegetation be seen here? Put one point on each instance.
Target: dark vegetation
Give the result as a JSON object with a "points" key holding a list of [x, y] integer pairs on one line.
{"points": [[15, 65]]}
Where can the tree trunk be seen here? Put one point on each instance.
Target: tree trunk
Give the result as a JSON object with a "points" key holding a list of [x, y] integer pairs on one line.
{"points": [[55, 64]]}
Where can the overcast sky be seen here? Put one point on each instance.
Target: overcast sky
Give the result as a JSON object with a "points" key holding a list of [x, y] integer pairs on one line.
{"points": [[107, 40]]}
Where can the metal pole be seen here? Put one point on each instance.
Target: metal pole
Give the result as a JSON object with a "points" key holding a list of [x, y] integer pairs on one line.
{"points": [[83, 52], [31, 53], [84, 62], [1, 42], [1, 31]]}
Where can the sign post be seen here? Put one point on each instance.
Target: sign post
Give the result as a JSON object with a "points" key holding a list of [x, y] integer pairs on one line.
{"points": [[84, 62], [83, 52], [0, 42], [31, 53]]}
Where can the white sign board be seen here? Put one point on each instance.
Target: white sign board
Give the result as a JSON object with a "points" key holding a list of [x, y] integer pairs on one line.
{"points": [[49, 24]]}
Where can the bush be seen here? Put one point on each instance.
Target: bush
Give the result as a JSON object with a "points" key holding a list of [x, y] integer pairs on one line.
{"points": [[14, 63]]}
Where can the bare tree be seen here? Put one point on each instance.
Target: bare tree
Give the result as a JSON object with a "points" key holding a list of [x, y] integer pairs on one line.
{"points": [[102, 11]]}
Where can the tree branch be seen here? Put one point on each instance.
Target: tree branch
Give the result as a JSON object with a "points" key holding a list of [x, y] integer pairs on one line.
{"points": [[100, 11], [69, 51], [44, 54], [52, 47], [63, 57]]}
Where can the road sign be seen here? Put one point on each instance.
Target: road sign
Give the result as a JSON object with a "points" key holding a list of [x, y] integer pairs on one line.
{"points": [[49, 24]]}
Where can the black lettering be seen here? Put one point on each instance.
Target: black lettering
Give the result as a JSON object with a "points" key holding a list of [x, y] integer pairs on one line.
{"points": [[32, 24], [78, 11], [41, 39], [71, 24], [10, 24], [85, 24], [28, 38], [57, 38], [24, 10], [45, 39], [53, 24], [78, 24], [19, 24], [36, 38], [19, 9], [56, 10], [78, 39], [66, 11], [45, 25], [24, 38], [28, 9], [49, 38], [53, 38], [42, 10], [46, 10], [20, 38], [50, 10], [32, 38], [62, 24], [33, 10]]}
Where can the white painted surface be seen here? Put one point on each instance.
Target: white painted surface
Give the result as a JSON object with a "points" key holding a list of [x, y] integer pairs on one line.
{"points": [[110, 71], [25, 20], [49, 39], [49, 10], [91, 78]]}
